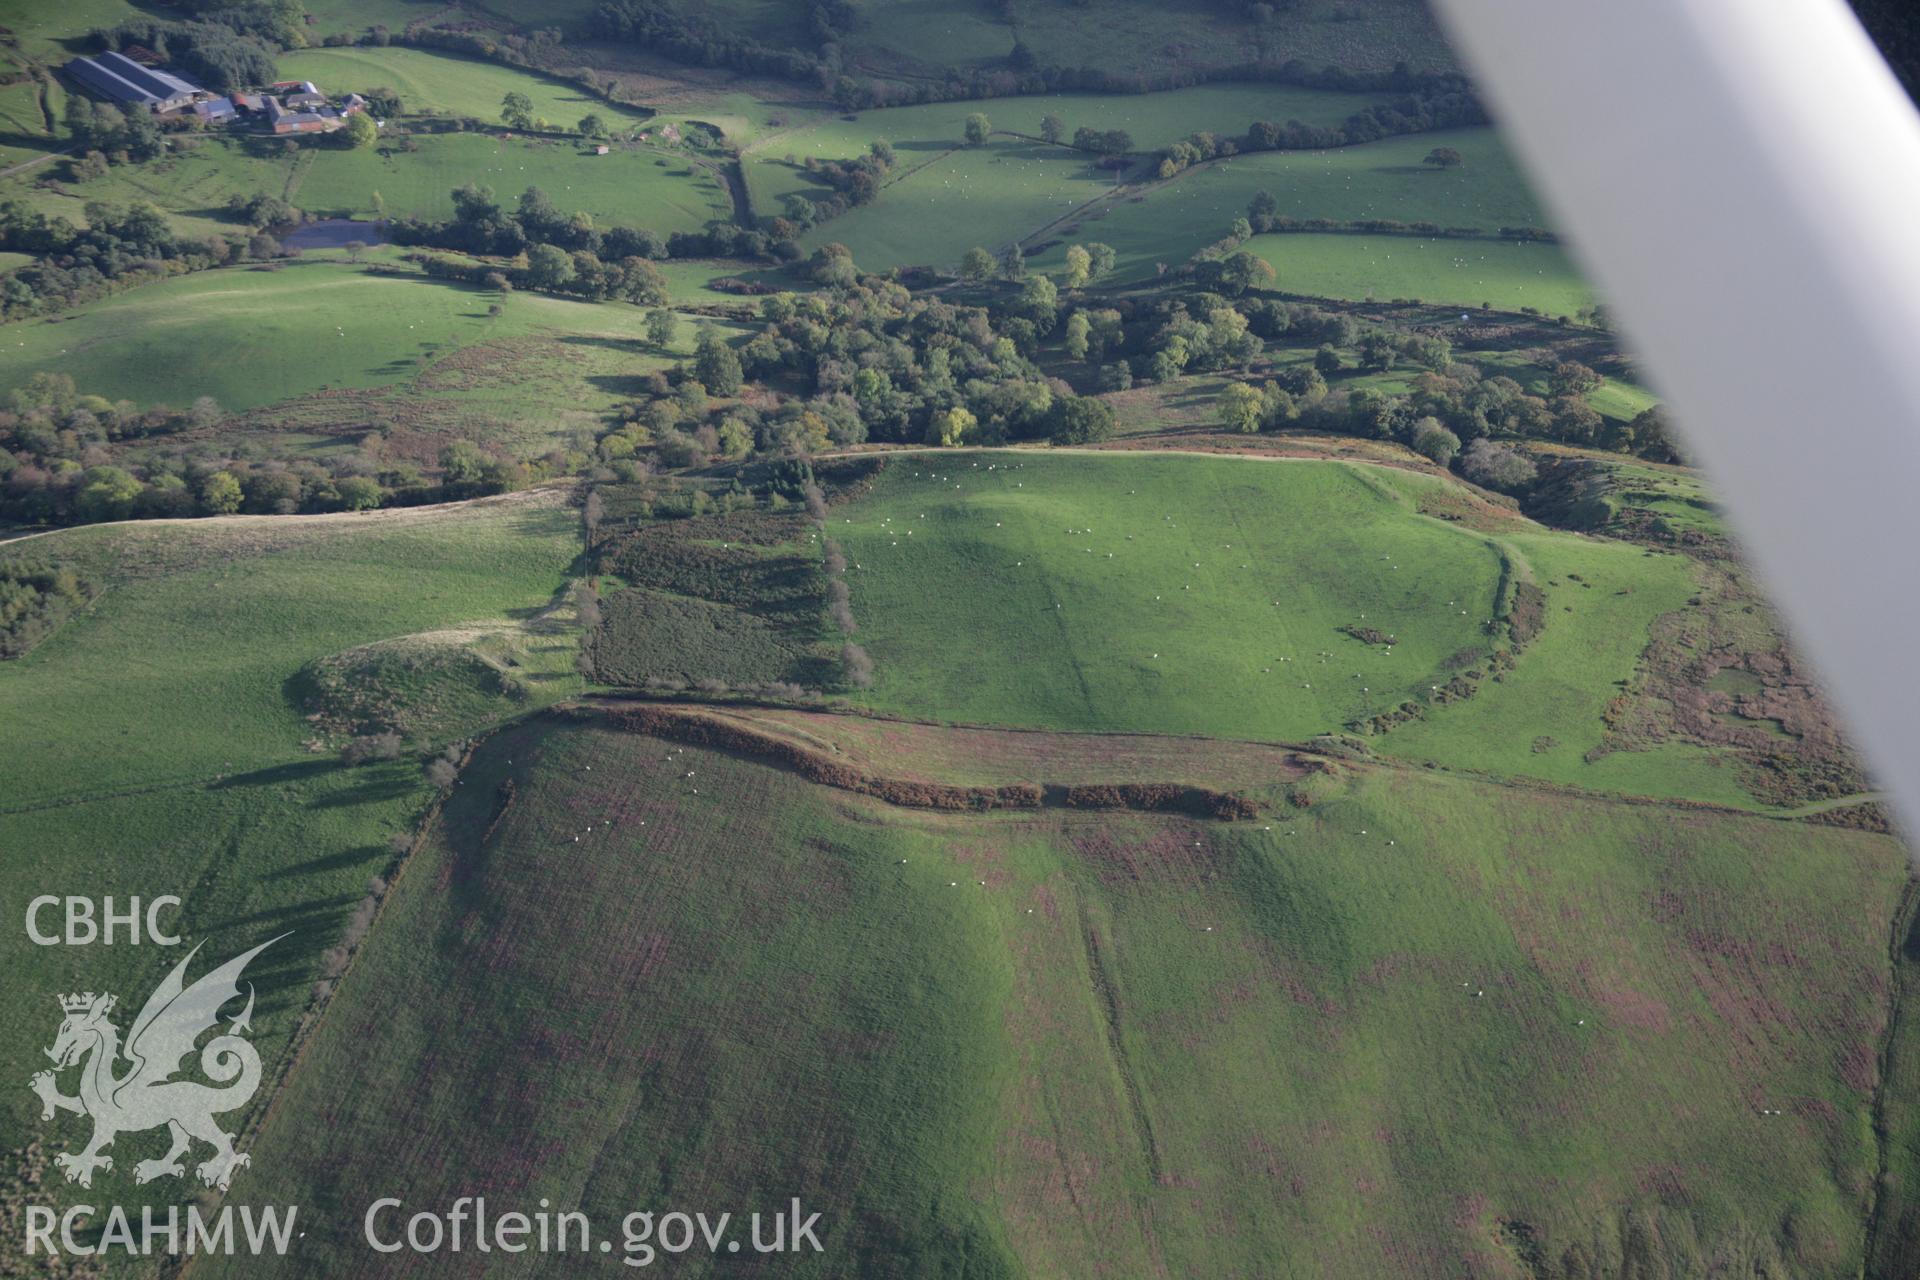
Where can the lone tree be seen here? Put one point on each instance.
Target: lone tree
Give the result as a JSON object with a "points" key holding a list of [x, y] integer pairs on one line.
{"points": [[1052, 127], [355, 248], [1435, 441], [1013, 263], [1239, 408], [517, 110], [548, 267], [662, 325], [978, 127], [1444, 158], [360, 131], [715, 363], [976, 264], [1079, 420], [951, 428], [1079, 266], [592, 126]]}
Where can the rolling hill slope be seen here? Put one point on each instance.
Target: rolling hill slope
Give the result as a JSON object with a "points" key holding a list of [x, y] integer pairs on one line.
{"points": [[1423, 1025]]}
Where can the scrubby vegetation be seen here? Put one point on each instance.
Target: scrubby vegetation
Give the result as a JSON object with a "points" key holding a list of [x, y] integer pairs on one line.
{"points": [[34, 600]]}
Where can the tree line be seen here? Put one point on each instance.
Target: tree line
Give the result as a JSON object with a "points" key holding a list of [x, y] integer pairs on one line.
{"points": [[59, 465], [121, 247], [225, 48], [482, 226]]}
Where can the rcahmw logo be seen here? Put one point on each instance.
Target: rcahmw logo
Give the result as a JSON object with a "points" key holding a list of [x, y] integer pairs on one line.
{"points": [[145, 1095]]}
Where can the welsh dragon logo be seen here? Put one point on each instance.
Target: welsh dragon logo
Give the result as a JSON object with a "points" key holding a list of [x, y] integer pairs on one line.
{"points": [[146, 1096]]}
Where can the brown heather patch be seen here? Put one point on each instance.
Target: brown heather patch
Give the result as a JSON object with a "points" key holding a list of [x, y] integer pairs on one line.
{"points": [[1162, 854], [1770, 716], [1471, 509], [1635, 1009]]}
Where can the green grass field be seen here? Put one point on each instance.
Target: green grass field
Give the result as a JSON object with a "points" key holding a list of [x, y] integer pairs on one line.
{"points": [[1377, 180], [1098, 1044], [989, 197], [1622, 400], [25, 133], [631, 187], [1543, 718], [1462, 273], [158, 746], [1199, 603], [917, 35], [251, 337], [1209, 598], [1169, 221], [51, 33], [440, 84], [920, 132], [190, 185]]}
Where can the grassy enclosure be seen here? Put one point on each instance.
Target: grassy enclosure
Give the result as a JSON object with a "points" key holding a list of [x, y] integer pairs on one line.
{"points": [[1211, 596], [1165, 594], [630, 186]]}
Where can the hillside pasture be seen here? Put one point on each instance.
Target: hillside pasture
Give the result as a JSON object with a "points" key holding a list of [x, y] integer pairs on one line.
{"points": [[355, 17], [916, 132], [631, 186], [50, 33], [1544, 717], [251, 337], [159, 746], [1385, 179], [1368, 1033], [320, 355], [1211, 595], [190, 184]]}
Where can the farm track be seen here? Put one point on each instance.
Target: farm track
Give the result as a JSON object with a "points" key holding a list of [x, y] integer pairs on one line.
{"points": [[25, 165], [1101, 980], [305, 523]]}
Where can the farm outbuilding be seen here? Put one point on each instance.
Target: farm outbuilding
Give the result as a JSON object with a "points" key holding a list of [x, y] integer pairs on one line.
{"points": [[120, 79], [281, 120], [215, 111]]}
